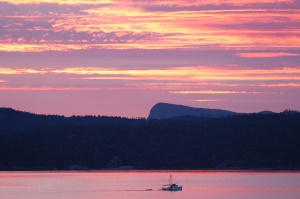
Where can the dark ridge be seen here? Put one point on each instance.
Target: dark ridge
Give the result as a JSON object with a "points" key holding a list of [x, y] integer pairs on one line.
{"points": [[17, 121], [266, 112], [243, 141], [165, 110], [253, 141]]}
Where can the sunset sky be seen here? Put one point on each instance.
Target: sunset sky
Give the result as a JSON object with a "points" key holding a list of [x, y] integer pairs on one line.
{"points": [[120, 57]]}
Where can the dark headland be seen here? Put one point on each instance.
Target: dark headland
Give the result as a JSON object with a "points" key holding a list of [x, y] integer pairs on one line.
{"points": [[173, 137], [165, 110]]}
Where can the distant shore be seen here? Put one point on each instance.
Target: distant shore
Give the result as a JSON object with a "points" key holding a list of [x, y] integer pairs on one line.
{"points": [[31, 142]]}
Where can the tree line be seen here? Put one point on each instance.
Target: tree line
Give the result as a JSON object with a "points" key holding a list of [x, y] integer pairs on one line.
{"points": [[254, 141]]}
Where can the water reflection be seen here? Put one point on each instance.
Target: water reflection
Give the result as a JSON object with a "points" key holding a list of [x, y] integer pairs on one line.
{"points": [[133, 184]]}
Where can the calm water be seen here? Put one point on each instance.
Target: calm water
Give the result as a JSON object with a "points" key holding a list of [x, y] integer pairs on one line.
{"points": [[132, 184]]}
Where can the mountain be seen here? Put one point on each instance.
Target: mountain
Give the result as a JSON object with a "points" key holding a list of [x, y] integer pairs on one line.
{"points": [[165, 110]]}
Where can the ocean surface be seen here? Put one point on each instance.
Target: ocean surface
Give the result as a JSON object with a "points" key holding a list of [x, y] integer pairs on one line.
{"points": [[133, 184]]}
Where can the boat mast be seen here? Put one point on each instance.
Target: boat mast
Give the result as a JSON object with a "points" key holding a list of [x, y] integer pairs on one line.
{"points": [[171, 179]]}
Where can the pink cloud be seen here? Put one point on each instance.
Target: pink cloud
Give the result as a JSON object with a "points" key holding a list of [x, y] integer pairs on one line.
{"points": [[176, 80], [214, 92], [124, 26], [151, 2], [266, 54]]}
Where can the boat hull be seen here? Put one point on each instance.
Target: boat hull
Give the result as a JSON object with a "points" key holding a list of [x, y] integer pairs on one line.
{"points": [[178, 188]]}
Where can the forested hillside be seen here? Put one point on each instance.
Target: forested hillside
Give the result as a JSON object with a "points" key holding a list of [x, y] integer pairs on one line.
{"points": [[254, 141]]}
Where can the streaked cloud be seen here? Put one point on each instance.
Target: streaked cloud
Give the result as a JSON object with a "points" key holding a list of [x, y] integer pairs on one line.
{"points": [[151, 2], [198, 71], [208, 100], [214, 92], [47, 88], [183, 74], [267, 54], [18, 71], [127, 25], [297, 85], [72, 2]]}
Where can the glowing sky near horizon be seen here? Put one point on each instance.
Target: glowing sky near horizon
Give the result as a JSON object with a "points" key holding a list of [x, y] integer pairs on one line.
{"points": [[120, 57]]}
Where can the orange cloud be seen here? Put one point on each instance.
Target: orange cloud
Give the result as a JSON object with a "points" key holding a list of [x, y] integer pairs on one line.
{"points": [[214, 92], [266, 54], [177, 80], [187, 29], [208, 100], [18, 71], [177, 73], [5, 47], [151, 2], [26, 88], [72, 2], [191, 73], [135, 28], [209, 2], [281, 85]]}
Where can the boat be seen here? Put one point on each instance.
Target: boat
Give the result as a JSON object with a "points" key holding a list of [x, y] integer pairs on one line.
{"points": [[171, 186]]}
